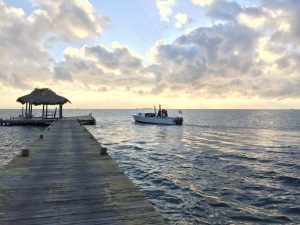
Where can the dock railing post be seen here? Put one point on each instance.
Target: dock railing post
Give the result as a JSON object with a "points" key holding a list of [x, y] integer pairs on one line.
{"points": [[60, 111], [25, 152]]}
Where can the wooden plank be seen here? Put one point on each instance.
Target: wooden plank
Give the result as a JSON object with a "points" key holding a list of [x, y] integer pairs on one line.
{"points": [[66, 181]]}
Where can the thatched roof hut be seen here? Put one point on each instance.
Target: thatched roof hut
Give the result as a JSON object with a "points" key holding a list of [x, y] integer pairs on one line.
{"points": [[43, 96]]}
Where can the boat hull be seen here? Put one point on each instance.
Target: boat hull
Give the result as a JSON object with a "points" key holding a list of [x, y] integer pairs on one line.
{"points": [[158, 120]]}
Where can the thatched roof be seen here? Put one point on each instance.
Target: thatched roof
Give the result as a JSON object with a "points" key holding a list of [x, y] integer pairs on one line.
{"points": [[40, 96]]}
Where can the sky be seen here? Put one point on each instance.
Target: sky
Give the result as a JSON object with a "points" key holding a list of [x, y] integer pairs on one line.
{"points": [[200, 54]]}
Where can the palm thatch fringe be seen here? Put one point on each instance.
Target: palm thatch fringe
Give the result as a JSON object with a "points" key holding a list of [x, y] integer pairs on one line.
{"points": [[43, 96]]}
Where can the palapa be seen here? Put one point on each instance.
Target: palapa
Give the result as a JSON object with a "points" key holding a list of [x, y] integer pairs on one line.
{"points": [[43, 96]]}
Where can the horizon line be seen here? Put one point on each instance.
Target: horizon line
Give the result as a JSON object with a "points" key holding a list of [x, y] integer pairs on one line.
{"points": [[167, 108]]}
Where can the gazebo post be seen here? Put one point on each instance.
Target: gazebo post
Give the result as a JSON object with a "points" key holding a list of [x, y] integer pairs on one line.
{"points": [[22, 111], [46, 111], [60, 111], [26, 110], [43, 113]]}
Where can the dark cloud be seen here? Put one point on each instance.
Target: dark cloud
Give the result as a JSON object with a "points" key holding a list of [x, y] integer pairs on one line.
{"points": [[62, 72], [286, 11], [16, 80], [119, 58]]}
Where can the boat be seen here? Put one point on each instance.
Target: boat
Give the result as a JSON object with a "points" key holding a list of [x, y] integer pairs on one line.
{"points": [[153, 118]]}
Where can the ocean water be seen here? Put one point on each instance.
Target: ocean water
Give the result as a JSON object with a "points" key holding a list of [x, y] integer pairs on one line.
{"points": [[220, 167]]}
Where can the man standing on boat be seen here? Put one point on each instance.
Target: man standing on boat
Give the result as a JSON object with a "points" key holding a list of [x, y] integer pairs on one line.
{"points": [[159, 111]]}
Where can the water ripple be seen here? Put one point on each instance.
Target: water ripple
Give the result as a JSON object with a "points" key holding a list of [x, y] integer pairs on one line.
{"points": [[221, 167]]}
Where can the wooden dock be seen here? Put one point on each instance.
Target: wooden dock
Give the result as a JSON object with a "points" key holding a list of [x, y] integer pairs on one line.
{"points": [[38, 121], [65, 180]]}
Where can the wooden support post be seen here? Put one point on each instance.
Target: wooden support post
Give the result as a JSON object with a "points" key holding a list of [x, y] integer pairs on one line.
{"points": [[26, 108], [22, 111], [25, 152], [55, 112], [43, 113], [60, 111], [103, 151], [46, 111]]}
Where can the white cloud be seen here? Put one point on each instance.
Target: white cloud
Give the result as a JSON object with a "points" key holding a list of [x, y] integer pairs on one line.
{"points": [[70, 19], [165, 8], [181, 20], [202, 2], [24, 61]]}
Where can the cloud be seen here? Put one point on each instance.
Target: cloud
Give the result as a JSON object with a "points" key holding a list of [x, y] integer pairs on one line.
{"points": [[119, 58], [98, 65], [223, 10], [202, 2], [24, 61], [254, 18], [181, 20], [165, 8], [245, 55], [240, 56], [246, 52], [68, 19]]}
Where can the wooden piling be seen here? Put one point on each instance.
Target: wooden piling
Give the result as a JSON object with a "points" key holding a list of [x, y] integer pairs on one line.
{"points": [[103, 151], [25, 152]]}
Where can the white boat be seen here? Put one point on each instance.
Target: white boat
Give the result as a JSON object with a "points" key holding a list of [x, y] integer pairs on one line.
{"points": [[152, 118]]}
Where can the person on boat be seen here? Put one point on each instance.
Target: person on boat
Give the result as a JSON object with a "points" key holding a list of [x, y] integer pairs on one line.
{"points": [[163, 113], [159, 111]]}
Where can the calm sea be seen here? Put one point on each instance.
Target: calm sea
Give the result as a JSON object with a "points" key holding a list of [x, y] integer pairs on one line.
{"points": [[220, 167]]}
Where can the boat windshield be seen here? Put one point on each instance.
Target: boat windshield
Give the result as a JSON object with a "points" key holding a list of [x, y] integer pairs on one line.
{"points": [[149, 114]]}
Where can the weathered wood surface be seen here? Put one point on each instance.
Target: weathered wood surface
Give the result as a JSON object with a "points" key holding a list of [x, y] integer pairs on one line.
{"points": [[38, 121], [66, 181]]}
